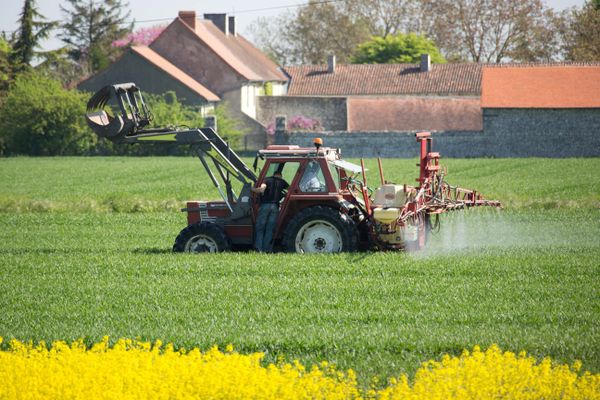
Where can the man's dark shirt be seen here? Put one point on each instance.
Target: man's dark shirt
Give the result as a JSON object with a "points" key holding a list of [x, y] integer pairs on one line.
{"points": [[274, 191]]}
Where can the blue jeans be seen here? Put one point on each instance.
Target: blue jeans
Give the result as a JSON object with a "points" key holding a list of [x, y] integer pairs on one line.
{"points": [[265, 225]]}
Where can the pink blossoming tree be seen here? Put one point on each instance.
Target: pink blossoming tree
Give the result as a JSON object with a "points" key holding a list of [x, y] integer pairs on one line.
{"points": [[142, 36]]}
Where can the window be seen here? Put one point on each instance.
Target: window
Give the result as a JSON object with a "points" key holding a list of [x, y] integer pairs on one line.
{"points": [[288, 170], [335, 175], [313, 179]]}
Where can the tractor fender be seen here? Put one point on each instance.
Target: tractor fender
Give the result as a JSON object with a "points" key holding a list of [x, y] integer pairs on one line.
{"points": [[344, 206]]}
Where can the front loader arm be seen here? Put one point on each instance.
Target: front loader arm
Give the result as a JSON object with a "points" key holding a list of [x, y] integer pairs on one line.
{"points": [[208, 144], [128, 128]]}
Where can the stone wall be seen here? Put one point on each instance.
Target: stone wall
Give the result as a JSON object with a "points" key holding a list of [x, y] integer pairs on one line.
{"points": [[388, 144], [330, 111], [567, 132], [507, 133]]}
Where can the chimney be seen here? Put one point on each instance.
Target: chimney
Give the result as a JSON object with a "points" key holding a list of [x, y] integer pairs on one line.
{"points": [[331, 64], [425, 63], [220, 21], [232, 26], [189, 17]]}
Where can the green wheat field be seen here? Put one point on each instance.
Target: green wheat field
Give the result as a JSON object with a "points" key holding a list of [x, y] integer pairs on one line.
{"points": [[85, 251]]}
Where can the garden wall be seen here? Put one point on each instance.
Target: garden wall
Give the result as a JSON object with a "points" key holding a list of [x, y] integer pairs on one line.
{"points": [[330, 111], [506, 133]]}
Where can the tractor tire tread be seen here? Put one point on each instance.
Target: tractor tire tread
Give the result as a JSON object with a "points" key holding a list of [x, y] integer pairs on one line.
{"points": [[211, 229], [343, 222]]}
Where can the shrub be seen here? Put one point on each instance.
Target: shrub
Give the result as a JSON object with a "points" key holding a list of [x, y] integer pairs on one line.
{"points": [[40, 117], [167, 110], [400, 48], [228, 126], [298, 123]]}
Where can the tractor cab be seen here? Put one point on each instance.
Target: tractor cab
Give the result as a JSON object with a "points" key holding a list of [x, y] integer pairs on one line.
{"points": [[319, 182]]}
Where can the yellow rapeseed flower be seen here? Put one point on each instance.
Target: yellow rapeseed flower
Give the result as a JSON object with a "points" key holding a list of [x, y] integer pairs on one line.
{"points": [[495, 375], [133, 369]]}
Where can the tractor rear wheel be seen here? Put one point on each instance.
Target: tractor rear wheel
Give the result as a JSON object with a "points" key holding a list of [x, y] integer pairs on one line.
{"points": [[320, 229], [201, 237]]}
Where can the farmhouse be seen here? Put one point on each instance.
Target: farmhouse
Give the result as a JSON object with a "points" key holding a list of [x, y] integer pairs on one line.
{"points": [[475, 110], [204, 61], [154, 74], [382, 97]]}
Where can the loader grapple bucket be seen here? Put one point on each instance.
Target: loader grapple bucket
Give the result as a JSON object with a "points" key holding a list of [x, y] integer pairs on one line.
{"points": [[134, 114], [107, 126]]}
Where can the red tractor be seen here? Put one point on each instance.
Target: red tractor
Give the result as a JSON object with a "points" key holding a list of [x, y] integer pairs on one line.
{"points": [[328, 206]]}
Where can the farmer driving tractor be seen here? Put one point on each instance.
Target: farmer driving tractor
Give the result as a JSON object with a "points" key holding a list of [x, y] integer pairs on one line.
{"points": [[272, 191]]}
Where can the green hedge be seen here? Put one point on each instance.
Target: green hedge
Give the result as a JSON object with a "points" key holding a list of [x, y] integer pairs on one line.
{"points": [[39, 117]]}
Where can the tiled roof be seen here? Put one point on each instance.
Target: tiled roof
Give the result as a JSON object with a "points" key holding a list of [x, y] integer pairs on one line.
{"points": [[236, 51], [541, 87], [384, 79], [162, 63], [394, 79]]}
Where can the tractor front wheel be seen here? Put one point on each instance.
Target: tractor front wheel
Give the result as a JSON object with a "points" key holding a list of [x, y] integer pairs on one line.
{"points": [[320, 230], [201, 237]]}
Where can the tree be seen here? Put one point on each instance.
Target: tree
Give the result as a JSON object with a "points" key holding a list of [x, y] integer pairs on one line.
{"points": [[488, 30], [463, 30], [90, 29], [583, 36], [320, 29], [268, 35], [5, 68], [383, 17], [310, 34], [32, 29], [40, 117], [400, 48], [58, 65], [542, 40], [142, 36], [167, 110]]}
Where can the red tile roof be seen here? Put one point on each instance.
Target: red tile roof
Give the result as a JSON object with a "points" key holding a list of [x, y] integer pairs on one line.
{"points": [[162, 63], [384, 79], [394, 79], [541, 87], [236, 51]]}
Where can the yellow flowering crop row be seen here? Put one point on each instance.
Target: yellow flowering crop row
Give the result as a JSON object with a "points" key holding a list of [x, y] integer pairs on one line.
{"points": [[495, 375], [139, 370]]}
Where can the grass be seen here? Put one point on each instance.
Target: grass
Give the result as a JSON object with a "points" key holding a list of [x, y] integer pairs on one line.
{"points": [[121, 184], [525, 278]]}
